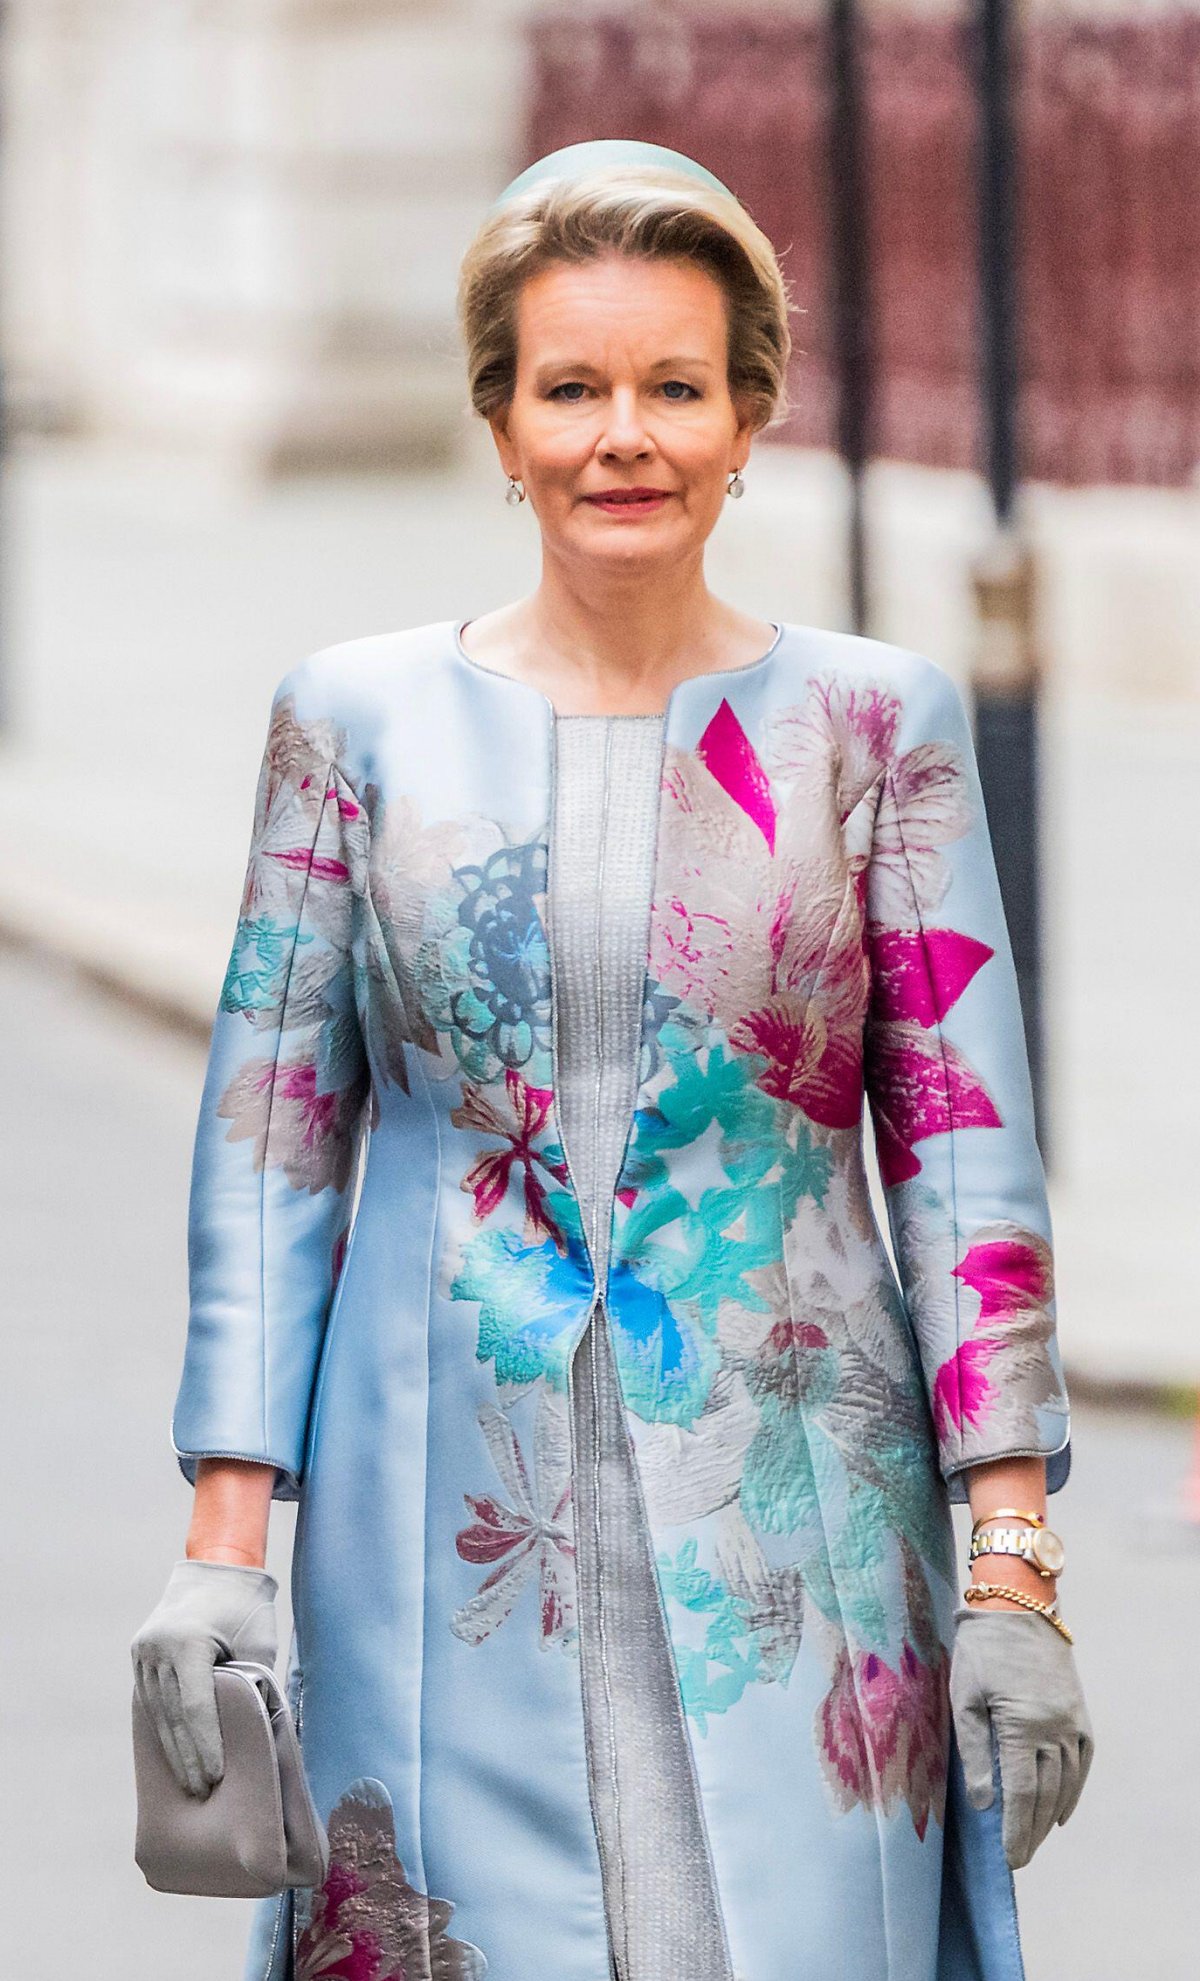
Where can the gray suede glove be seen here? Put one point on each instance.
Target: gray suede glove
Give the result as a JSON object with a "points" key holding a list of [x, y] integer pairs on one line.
{"points": [[210, 1611], [1012, 1674]]}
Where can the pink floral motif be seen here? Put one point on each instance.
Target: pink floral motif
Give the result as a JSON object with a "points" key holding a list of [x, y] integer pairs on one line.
{"points": [[883, 1732], [920, 1085], [924, 805], [762, 929], [818, 1068], [961, 1390], [764, 926], [296, 784], [840, 736], [531, 1535], [724, 888], [691, 949], [519, 1128], [366, 1921], [307, 1134], [730, 755], [919, 974], [842, 1737], [1011, 1270], [811, 1031]]}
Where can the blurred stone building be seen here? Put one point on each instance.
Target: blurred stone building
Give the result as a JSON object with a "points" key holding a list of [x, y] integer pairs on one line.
{"points": [[231, 229], [233, 225]]}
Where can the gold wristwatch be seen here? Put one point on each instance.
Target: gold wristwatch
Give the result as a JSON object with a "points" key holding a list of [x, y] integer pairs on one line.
{"points": [[1040, 1546]]}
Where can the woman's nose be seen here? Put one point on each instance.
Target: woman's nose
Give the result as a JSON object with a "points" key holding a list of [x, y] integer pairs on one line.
{"points": [[624, 427]]}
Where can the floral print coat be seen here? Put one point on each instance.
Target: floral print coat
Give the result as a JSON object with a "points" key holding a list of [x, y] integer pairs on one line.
{"points": [[826, 930]]}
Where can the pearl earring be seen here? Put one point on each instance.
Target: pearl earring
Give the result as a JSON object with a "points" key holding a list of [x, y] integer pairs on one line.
{"points": [[516, 490], [737, 487]]}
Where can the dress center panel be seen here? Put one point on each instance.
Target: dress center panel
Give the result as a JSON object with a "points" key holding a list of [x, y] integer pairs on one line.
{"points": [[660, 1895]]}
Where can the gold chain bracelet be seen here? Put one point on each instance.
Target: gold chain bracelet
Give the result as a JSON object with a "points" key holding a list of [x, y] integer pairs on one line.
{"points": [[978, 1592]]}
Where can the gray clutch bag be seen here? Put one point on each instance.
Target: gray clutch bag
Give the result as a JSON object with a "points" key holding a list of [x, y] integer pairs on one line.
{"points": [[257, 1831]]}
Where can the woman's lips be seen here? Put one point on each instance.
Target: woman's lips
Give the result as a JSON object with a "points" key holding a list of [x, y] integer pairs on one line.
{"points": [[631, 504]]}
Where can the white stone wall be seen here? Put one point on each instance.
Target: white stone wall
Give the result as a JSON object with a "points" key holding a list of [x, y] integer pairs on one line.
{"points": [[234, 225]]}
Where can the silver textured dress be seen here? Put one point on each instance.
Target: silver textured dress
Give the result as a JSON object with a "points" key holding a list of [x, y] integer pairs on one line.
{"points": [[663, 1915]]}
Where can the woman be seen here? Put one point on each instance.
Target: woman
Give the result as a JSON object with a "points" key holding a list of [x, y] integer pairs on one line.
{"points": [[623, 1581]]}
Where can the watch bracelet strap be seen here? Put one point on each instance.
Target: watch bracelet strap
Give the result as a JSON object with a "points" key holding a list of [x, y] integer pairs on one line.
{"points": [[1002, 1541], [1037, 1546]]}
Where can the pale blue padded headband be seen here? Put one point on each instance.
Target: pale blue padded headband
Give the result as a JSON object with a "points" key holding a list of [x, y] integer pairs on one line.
{"points": [[572, 161]]}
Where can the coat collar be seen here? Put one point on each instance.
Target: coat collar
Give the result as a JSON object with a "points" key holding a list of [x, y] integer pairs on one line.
{"points": [[709, 687]]}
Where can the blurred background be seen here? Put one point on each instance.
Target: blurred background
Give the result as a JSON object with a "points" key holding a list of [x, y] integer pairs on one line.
{"points": [[235, 429]]}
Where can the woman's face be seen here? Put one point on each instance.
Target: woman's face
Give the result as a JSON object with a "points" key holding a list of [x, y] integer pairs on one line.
{"points": [[621, 387]]}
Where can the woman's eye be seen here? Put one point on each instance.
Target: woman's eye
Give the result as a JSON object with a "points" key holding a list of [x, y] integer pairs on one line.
{"points": [[574, 385]]}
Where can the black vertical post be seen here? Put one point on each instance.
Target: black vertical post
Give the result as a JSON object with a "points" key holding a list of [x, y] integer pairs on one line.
{"points": [[850, 311], [997, 243], [1005, 669]]}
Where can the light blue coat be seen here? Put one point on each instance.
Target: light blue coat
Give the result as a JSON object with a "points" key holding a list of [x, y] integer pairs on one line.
{"points": [[826, 926]]}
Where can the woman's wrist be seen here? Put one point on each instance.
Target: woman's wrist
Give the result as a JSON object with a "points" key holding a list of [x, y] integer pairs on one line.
{"points": [[995, 1487], [231, 1512], [1018, 1574], [201, 1550]]}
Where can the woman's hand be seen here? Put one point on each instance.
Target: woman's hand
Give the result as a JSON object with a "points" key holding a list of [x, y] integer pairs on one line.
{"points": [[1012, 1674], [210, 1611], [218, 1604]]}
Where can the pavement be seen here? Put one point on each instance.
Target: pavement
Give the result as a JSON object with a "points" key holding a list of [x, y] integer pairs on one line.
{"points": [[152, 604], [93, 1175]]}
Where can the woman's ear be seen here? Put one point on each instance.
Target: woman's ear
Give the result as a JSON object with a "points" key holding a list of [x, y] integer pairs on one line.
{"points": [[744, 432], [498, 423]]}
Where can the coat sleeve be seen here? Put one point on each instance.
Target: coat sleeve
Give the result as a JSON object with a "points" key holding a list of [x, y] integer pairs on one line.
{"points": [[281, 1116], [948, 1085]]}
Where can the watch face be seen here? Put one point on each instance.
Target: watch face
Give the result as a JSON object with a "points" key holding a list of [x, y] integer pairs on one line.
{"points": [[1047, 1551]]}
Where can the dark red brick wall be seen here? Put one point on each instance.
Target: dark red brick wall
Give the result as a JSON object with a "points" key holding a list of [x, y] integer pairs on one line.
{"points": [[1109, 262]]}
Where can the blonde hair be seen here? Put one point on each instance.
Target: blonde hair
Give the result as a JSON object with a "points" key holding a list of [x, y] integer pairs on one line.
{"points": [[651, 214]]}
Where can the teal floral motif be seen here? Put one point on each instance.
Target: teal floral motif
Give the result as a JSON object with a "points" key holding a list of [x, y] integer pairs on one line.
{"points": [[713, 1676], [706, 1088], [681, 1260], [859, 1548], [663, 1015], [794, 1473], [806, 1166], [884, 1423], [256, 978], [665, 1358], [524, 1292], [696, 1258], [483, 967], [817, 1403], [676, 1266], [339, 1042], [797, 1367]]}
